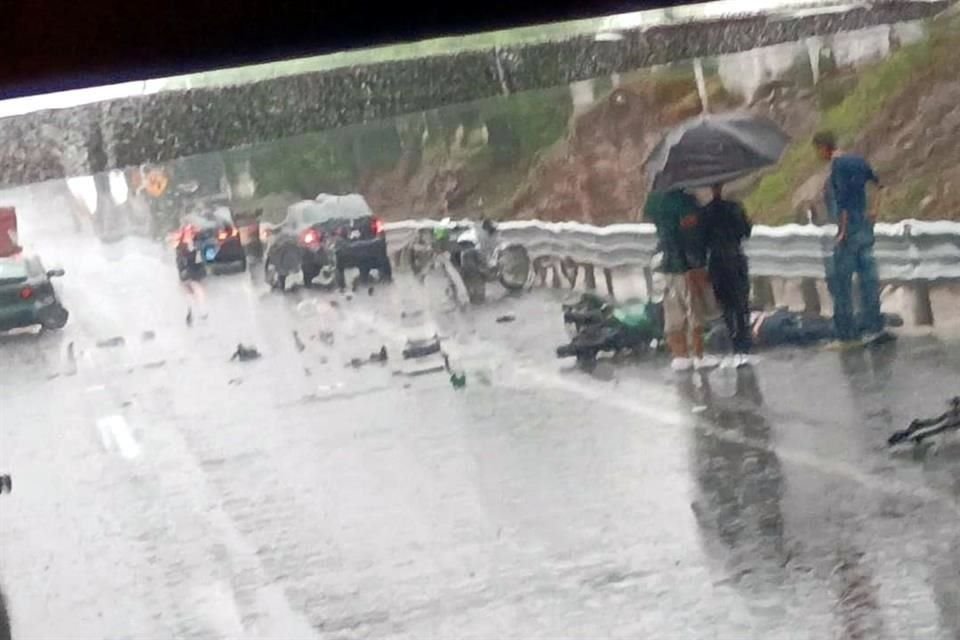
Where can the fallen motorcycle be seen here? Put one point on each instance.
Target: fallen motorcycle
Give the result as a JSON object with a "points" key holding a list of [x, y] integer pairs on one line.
{"points": [[922, 428], [476, 255], [597, 326]]}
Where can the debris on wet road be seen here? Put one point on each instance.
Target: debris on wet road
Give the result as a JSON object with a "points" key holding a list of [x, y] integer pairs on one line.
{"points": [[535, 501], [245, 353]]}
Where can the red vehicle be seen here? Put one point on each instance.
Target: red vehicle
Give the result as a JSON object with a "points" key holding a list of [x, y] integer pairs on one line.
{"points": [[9, 243]]}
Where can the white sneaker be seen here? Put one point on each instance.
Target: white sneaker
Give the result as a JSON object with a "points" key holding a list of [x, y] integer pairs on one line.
{"points": [[706, 362], [681, 364]]}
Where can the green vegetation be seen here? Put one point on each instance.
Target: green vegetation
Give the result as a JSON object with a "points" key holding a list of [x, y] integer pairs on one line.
{"points": [[907, 197], [874, 89], [341, 160]]}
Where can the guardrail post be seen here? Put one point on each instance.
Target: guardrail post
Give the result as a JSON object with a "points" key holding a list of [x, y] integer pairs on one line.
{"points": [[922, 307], [589, 277], [648, 281], [556, 276], [811, 296], [763, 292], [608, 276], [570, 270]]}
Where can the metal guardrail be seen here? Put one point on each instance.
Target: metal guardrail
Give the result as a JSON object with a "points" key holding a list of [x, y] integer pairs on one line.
{"points": [[909, 251]]}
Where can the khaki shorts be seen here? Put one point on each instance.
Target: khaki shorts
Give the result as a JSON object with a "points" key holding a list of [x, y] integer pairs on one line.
{"points": [[687, 301]]}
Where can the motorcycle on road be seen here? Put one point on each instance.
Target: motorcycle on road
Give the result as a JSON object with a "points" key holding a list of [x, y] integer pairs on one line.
{"points": [[472, 256], [597, 326]]}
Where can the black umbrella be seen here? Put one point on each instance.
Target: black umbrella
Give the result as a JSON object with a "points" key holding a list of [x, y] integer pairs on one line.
{"points": [[709, 149]]}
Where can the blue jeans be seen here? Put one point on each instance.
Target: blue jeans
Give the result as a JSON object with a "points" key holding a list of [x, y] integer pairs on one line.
{"points": [[855, 256]]}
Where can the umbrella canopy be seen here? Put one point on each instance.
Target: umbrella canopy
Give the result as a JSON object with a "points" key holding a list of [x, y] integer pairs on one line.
{"points": [[714, 148]]}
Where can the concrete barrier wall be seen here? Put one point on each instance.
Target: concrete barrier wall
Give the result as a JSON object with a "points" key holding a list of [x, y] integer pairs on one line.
{"points": [[919, 262]]}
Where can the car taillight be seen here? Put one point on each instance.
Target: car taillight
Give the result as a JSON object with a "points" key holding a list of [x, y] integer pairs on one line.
{"points": [[26, 293], [311, 238], [187, 234], [225, 234], [377, 226]]}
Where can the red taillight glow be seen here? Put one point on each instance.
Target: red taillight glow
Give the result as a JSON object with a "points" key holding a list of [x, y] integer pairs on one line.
{"points": [[26, 293], [187, 233], [377, 226], [225, 234], [311, 238]]}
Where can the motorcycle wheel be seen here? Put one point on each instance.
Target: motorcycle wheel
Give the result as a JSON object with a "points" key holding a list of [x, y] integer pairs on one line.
{"points": [[514, 267], [54, 318]]}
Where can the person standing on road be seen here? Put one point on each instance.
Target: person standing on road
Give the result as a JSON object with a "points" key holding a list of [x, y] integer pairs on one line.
{"points": [[676, 215], [726, 225], [846, 200]]}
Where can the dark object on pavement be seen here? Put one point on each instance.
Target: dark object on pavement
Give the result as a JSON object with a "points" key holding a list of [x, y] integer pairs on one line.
{"points": [[298, 342], [782, 327], [208, 239], [923, 428], [116, 341], [190, 317], [458, 379], [323, 237], [421, 348], [506, 318], [245, 353], [147, 336], [379, 356], [27, 296], [6, 483], [598, 326], [709, 149], [326, 337], [4, 620]]}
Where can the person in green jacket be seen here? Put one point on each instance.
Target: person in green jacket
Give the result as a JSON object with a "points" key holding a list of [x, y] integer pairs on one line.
{"points": [[677, 217]]}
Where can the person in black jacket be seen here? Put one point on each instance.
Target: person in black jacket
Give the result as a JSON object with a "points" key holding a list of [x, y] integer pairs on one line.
{"points": [[726, 226]]}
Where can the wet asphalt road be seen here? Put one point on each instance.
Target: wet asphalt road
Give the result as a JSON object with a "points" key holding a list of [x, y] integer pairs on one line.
{"points": [[161, 490]]}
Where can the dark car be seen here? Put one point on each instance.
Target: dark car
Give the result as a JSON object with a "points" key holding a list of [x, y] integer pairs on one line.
{"points": [[27, 296], [208, 239], [324, 237]]}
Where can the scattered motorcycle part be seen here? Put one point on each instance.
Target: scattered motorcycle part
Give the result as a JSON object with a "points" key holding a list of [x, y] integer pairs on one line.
{"points": [[116, 341], [245, 353], [421, 348]]}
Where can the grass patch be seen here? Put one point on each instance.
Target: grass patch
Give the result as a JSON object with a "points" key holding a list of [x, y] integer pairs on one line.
{"points": [[903, 200], [876, 87]]}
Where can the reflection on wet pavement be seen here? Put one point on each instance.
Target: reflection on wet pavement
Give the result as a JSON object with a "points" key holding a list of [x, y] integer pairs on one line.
{"points": [[163, 490]]}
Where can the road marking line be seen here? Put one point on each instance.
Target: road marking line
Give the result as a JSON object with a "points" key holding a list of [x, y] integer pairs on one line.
{"points": [[528, 373], [115, 429]]}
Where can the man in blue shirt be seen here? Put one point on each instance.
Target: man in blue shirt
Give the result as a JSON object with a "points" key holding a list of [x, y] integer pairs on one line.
{"points": [[846, 201]]}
